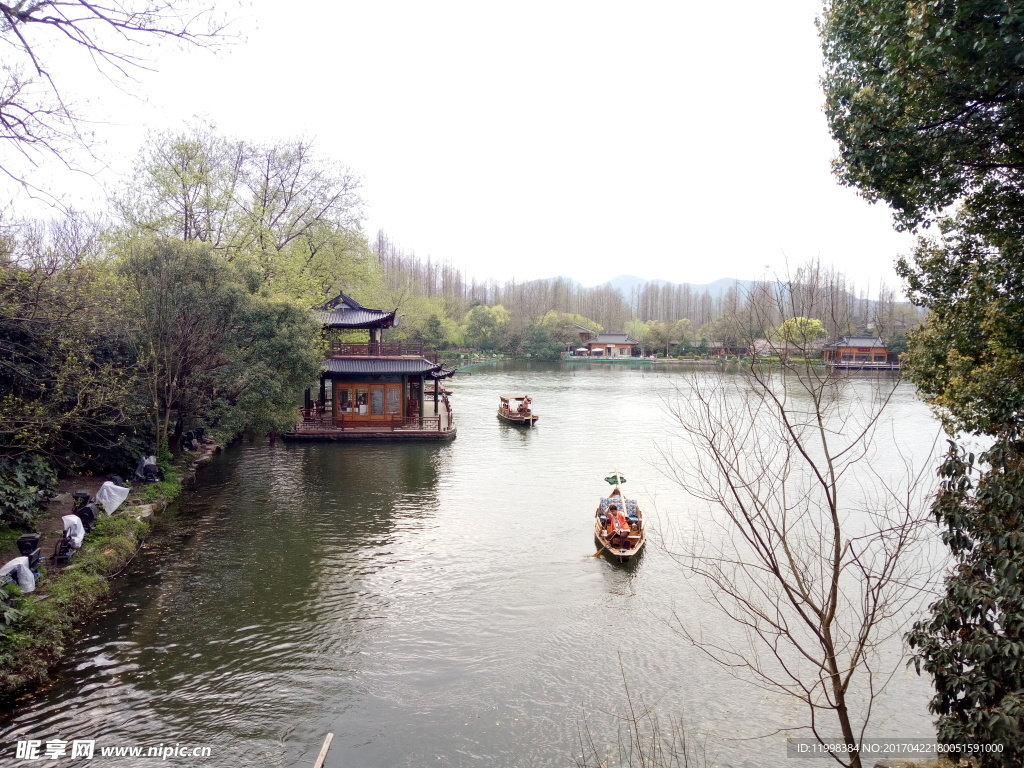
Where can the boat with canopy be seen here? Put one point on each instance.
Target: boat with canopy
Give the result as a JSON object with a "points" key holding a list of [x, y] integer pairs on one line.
{"points": [[619, 523]]}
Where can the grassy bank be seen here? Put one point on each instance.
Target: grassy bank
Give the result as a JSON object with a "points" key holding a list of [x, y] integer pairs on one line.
{"points": [[37, 633], [38, 638]]}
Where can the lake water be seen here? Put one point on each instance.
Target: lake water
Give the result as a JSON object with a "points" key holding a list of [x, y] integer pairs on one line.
{"points": [[429, 604]]}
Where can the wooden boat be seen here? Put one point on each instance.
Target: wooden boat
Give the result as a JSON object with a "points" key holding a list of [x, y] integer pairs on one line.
{"points": [[516, 409], [619, 523]]}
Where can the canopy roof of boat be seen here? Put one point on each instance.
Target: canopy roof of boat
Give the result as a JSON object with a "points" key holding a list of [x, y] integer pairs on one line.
{"points": [[513, 397], [630, 505]]}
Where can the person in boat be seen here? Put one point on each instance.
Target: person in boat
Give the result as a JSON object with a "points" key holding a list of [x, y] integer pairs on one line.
{"points": [[524, 406], [618, 530], [613, 512]]}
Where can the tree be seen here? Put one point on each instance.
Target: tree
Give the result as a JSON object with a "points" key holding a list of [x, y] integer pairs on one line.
{"points": [[639, 330], [38, 118], [561, 327], [539, 343], [274, 353], [66, 379], [288, 216], [814, 574], [180, 302], [972, 643], [664, 336], [186, 186], [926, 102], [968, 362], [484, 326], [737, 325], [204, 343], [801, 332]]}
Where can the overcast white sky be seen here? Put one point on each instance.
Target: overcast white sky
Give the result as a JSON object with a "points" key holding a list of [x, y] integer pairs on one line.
{"points": [[681, 141]]}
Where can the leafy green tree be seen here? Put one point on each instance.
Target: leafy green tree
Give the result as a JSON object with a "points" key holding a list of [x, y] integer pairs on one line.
{"points": [[973, 643], [562, 327], [665, 336], [433, 334], [484, 326], [801, 331], [273, 354], [289, 217], [968, 362], [540, 344], [897, 344], [205, 343], [180, 302], [66, 379], [926, 101], [641, 332]]}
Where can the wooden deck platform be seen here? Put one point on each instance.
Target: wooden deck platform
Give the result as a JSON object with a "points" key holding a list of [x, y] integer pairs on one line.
{"points": [[600, 359], [863, 365], [314, 427]]}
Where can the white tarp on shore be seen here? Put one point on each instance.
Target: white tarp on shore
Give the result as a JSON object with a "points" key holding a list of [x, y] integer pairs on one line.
{"points": [[18, 568], [74, 528], [111, 496]]}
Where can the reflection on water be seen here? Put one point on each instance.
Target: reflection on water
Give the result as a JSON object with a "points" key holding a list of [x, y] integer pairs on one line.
{"points": [[427, 603]]}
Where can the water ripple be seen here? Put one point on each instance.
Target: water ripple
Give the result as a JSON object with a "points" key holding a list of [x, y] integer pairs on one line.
{"points": [[428, 604]]}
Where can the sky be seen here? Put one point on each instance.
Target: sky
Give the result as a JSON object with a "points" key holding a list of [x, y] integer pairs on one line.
{"points": [[668, 140]]}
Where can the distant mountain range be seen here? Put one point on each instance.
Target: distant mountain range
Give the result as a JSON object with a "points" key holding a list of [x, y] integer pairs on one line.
{"points": [[625, 284]]}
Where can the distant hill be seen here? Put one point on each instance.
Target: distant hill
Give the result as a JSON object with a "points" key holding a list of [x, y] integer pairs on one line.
{"points": [[625, 284]]}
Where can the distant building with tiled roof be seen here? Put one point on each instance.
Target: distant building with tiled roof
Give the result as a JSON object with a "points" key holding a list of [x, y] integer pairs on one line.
{"points": [[611, 345], [860, 352]]}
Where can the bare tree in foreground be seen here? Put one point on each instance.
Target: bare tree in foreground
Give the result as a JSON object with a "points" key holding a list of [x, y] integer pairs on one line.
{"points": [[46, 38], [809, 547]]}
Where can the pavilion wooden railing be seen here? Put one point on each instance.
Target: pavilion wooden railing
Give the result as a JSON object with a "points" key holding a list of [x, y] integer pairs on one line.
{"points": [[381, 349], [448, 408], [313, 420]]}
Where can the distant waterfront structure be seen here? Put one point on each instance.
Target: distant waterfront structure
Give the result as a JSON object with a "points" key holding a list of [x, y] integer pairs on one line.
{"points": [[860, 352], [611, 345]]}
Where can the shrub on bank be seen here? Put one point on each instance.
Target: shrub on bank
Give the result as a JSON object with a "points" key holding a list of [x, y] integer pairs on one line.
{"points": [[36, 639], [25, 483]]}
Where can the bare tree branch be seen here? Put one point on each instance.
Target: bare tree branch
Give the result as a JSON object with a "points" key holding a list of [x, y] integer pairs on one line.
{"points": [[36, 120], [808, 548]]}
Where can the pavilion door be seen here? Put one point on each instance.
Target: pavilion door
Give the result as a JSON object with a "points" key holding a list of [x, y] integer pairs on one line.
{"points": [[385, 401], [350, 401], [368, 402]]}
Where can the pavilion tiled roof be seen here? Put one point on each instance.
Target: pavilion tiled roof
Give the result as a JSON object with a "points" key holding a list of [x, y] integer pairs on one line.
{"points": [[857, 341], [387, 365], [345, 312]]}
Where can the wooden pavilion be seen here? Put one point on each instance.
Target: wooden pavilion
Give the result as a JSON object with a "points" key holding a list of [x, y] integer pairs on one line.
{"points": [[374, 389], [861, 353]]}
